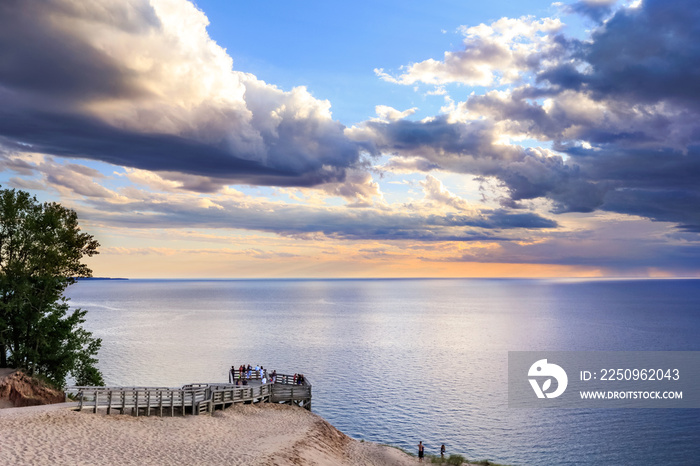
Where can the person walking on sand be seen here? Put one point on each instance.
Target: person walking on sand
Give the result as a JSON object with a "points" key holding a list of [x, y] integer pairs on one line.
{"points": [[421, 451]]}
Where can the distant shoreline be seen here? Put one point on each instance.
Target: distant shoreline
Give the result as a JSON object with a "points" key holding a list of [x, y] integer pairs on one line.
{"points": [[98, 278], [388, 279]]}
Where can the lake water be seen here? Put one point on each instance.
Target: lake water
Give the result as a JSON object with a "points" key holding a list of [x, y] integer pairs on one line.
{"points": [[398, 361]]}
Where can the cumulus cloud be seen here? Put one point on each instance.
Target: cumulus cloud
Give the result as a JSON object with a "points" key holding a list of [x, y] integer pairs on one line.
{"points": [[493, 54], [435, 191], [139, 83], [386, 113], [409, 165], [616, 115], [642, 55], [358, 188], [473, 147]]}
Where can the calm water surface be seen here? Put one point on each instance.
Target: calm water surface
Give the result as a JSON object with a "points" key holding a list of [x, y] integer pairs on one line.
{"points": [[398, 361]]}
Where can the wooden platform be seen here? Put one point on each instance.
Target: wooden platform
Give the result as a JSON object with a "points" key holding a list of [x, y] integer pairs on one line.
{"points": [[192, 398]]}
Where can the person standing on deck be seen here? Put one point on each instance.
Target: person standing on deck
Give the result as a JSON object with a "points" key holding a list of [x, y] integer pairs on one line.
{"points": [[421, 451]]}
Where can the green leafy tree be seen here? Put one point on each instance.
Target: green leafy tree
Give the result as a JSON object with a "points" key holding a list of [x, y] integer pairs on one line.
{"points": [[41, 248]]}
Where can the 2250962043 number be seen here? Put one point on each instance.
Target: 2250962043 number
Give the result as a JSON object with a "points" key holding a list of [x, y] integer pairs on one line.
{"points": [[639, 374]]}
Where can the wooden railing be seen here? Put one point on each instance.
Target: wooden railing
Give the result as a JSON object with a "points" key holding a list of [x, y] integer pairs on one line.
{"points": [[193, 398], [291, 389], [224, 396], [254, 375], [141, 399], [299, 395]]}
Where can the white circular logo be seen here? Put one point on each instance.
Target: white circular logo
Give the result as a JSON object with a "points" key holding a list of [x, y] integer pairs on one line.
{"points": [[542, 370]]}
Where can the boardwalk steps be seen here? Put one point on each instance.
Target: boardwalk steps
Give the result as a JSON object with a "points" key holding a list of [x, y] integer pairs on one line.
{"points": [[191, 398]]}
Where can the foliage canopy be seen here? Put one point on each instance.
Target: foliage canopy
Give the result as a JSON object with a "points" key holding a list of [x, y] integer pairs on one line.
{"points": [[41, 248]]}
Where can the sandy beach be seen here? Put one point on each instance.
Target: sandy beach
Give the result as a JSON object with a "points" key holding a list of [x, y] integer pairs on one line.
{"points": [[265, 434]]}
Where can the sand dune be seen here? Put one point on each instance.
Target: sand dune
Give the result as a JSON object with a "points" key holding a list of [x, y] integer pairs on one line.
{"points": [[265, 434]]}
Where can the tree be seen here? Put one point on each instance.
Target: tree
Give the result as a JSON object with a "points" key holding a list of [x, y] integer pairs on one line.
{"points": [[41, 248]]}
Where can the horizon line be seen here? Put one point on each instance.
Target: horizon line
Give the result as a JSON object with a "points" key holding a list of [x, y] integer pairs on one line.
{"points": [[619, 278]]}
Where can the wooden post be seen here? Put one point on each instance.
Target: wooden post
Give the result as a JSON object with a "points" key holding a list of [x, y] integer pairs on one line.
{"points": [[109, 402], [136, 404], [96, 396]]}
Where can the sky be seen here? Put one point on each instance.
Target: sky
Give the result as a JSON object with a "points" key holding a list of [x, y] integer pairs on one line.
{"points": [[310, 139]]}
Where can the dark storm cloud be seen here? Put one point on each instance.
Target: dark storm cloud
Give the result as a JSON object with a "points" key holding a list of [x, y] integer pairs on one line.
{"points": [[670, 205], [645, 54], [595, 10], [471, 148], [623, 107], [40, 56], [651, 53], [503, 219], [64, 64], [82, 137], [643, 63]]}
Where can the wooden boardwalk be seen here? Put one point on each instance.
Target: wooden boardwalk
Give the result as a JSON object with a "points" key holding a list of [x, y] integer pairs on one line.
{"points": [[193, 398]]}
